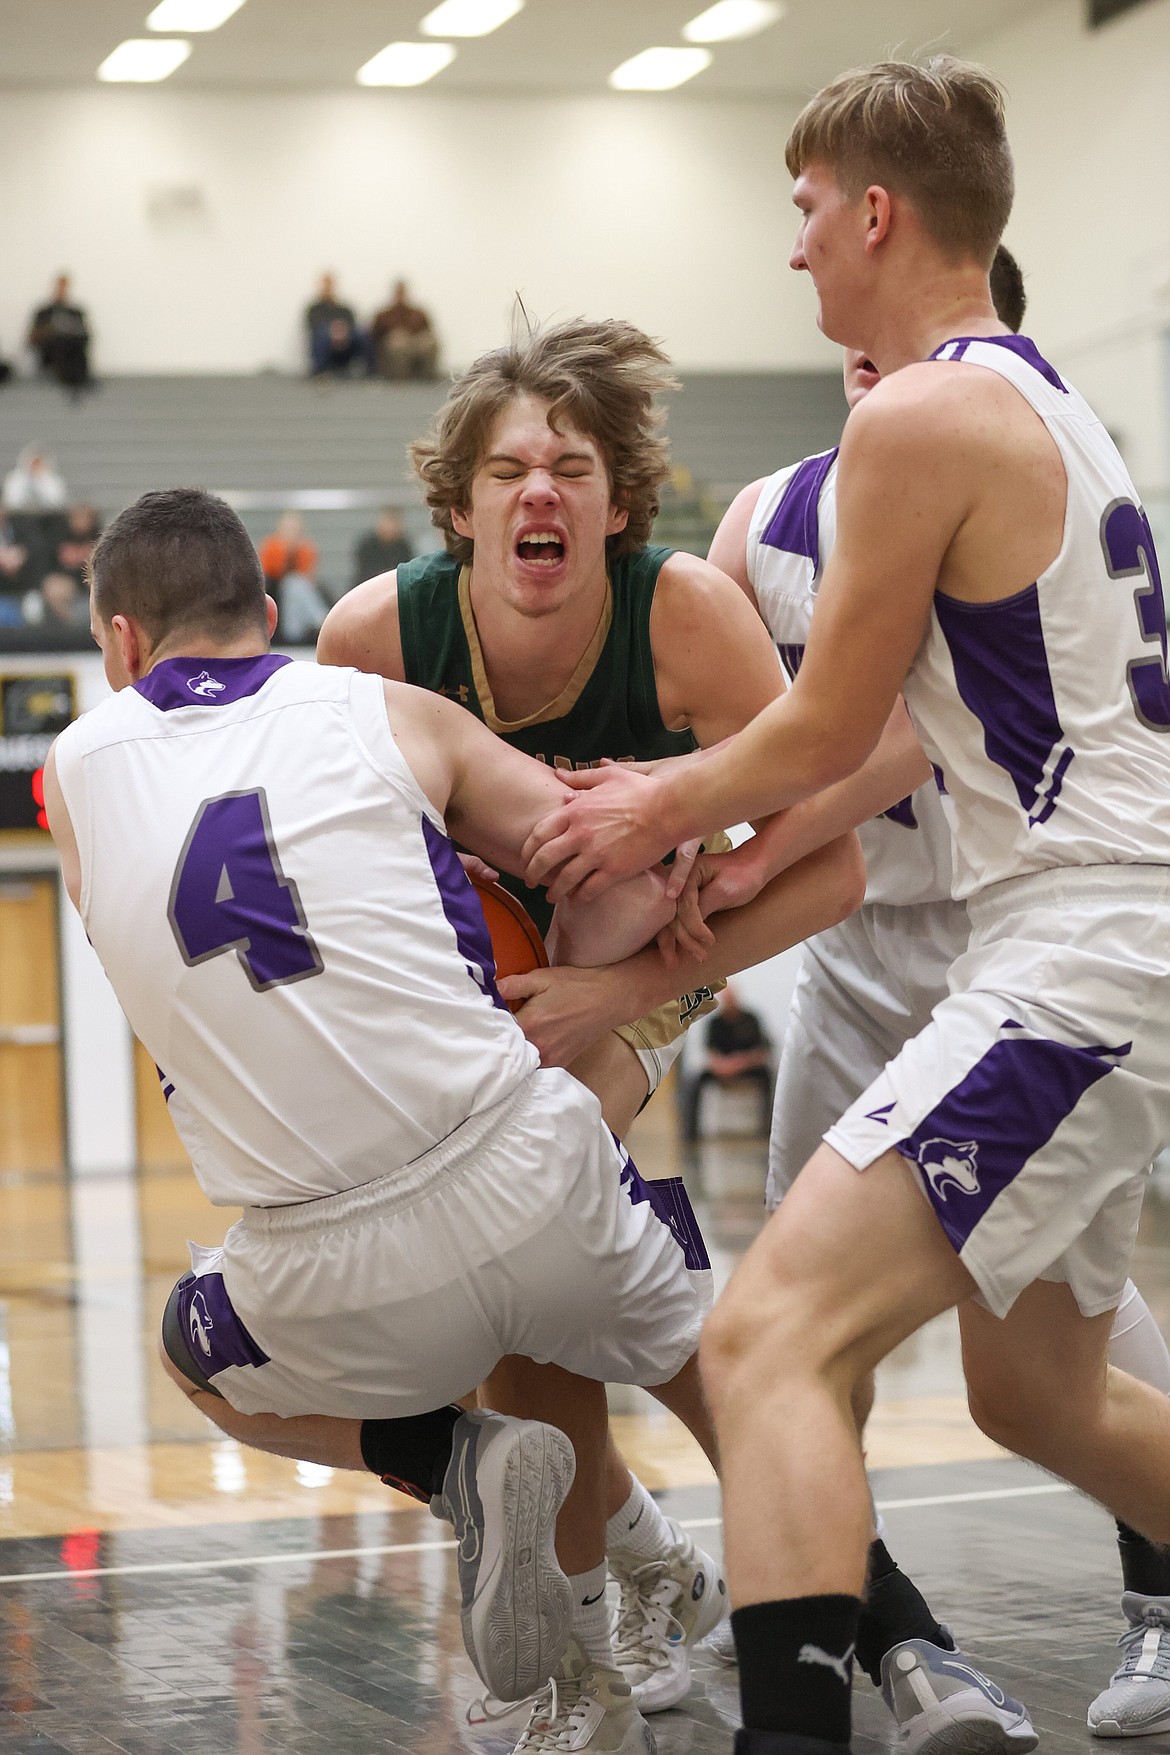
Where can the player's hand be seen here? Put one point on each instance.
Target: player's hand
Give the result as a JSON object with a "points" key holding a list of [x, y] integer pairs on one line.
{"points": [[610, 830], [478, 869], [563, 1011]]}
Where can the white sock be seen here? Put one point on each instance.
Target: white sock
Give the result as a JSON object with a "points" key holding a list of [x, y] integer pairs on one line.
{"points": [[1136, 1343], [591, 1615], [638, 1530]]}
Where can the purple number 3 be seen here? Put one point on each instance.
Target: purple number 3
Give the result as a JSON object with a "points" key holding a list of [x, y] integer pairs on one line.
{"points": [[229, 894], [1128, 543]]}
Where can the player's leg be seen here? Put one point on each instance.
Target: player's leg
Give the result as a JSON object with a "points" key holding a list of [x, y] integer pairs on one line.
{"points": [[848, 1266]]}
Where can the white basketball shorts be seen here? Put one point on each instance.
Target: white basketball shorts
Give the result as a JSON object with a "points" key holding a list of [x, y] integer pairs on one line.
{"points": [[1032, 1103], [863, 989], [527, 1231]]}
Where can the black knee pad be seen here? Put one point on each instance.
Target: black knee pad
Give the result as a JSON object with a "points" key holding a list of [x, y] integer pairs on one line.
{"points": [[176, 1345]]}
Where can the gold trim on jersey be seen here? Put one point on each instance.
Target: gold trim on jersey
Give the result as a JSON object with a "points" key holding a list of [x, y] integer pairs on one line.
{"points": [[569, 695]]}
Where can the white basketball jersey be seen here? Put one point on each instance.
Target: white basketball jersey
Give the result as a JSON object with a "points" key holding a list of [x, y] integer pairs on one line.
{"points": [[1047, 713], [908, 850], [286, 924]]}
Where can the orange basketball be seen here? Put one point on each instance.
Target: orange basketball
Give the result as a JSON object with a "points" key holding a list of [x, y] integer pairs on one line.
{"points": [[516, 944]]}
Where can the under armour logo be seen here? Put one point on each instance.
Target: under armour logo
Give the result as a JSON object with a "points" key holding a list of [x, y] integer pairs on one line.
{"points": [[840, 1666], [205, 685]]}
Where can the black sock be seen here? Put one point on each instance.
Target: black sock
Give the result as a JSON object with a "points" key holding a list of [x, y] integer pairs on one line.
{"points": [[1145, 1567], [795, 1667], [412, 1453], [893, 1609]]}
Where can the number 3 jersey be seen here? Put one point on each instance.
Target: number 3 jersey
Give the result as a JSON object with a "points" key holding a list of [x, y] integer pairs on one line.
{"points": [[285, 923]]}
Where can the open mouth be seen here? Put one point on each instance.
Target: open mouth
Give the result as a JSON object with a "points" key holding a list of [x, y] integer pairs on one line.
{"points": [[543, 548]]}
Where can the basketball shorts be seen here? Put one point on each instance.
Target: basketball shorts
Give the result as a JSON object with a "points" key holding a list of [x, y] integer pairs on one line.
{"points": [[1032, 1103], [527, 1231], [862, 990]]}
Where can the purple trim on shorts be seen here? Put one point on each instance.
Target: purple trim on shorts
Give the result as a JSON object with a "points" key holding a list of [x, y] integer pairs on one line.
{"points": [[1002, 674], [902, 813], [1021, 345], [671, 1204], [211, 1329], [978, 1138], [940, 780], [207, 682], [462, 907], [794, 526]]}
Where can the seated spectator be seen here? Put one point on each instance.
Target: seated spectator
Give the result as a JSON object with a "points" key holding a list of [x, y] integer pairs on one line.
{"points": [[336, 344], [78, 541], [58, 603], [383, 548], [34, 485], [59, 336], [735, 1046], [403, 339], [13, 560], [289, 562]]}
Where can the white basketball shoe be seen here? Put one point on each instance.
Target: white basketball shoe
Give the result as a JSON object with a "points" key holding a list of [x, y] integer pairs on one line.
{"points": [[585, 1706], [1137, 1700], [667, 1606]]}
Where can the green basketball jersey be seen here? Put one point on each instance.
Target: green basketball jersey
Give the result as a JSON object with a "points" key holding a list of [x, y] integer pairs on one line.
{"points": [[609, 707]]}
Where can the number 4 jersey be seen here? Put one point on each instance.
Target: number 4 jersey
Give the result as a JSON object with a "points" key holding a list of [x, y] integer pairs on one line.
{"points": [[1047, 713], [285, 923]]}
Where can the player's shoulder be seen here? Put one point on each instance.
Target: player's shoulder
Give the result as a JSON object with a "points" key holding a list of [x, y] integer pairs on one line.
{"points": [[928, 410], [362, 628]]}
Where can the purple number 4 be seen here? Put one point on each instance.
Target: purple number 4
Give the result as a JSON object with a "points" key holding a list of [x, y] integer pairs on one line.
{"points": [[1128, 543], [229, 894]]}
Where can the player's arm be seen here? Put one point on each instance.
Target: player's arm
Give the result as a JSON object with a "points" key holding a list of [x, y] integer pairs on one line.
{"points": [[904, 489], [564, 1010], [714, 662], [61, 829], [728, 549], [490, 795], [362, 630]]}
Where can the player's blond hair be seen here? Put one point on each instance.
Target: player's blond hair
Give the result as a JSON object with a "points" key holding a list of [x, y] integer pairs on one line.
{"points": [[933, 133], [602, 378]]}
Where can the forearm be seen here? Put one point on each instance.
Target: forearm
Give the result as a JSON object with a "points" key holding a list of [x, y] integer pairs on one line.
{"points": [[589, 935], [814, 894]]}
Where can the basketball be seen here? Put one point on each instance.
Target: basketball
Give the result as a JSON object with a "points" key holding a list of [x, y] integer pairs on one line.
{"points": [[516, 944]]}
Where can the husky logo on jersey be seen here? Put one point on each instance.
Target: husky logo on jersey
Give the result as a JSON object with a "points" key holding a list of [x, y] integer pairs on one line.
{"points": [[199, 1322], [949, 1164], [205, 685]]}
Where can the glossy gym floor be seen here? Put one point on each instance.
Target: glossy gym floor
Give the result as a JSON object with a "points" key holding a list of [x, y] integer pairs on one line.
{"points": [[163, 1591]]}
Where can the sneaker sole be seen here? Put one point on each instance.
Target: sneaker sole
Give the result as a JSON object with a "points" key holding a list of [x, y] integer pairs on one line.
{"points": [[517, 1603], [1112, 1727], [974, 1735]]}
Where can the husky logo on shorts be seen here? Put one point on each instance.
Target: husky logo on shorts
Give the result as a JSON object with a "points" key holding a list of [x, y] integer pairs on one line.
{"points": [[950, 1165], [689, 1004], [205, 685], [199, 1323]]}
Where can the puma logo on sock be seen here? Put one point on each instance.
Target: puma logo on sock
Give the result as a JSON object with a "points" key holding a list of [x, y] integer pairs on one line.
{"points": [[812, 1654]]}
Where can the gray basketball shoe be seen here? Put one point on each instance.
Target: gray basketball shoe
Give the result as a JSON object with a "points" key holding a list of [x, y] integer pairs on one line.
{"points": [[1137, 1700], [945, 1706], [504, 1485]]}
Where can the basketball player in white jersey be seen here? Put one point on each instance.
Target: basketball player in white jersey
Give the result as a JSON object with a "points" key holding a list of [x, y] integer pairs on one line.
{"points": [[993, 564], [258, 851], [868, 985]]}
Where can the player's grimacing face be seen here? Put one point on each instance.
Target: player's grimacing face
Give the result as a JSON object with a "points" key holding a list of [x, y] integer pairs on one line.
{"points": [[540, 509]]}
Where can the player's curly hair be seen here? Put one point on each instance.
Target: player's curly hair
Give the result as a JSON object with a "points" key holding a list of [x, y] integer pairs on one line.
{"points": [[603, 378], [933, 133]]}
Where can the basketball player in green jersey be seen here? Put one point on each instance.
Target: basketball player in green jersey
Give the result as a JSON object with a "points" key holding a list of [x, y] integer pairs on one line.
{"points": [[549, 617]]}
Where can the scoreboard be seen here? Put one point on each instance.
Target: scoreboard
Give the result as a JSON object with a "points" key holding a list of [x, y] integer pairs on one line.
{"points": [[33, 709]]}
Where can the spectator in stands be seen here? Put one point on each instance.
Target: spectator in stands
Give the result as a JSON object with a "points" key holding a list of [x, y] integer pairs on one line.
{"points": [[59, 336], [77, 542], [735, 1046], [58, 603], [336, 343], [13, 561], [404, 341], [383, 548], [289, 561], [35, 484]]}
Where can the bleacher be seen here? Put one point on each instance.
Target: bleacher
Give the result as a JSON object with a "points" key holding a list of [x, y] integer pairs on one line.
{"points": [[337, 450]]}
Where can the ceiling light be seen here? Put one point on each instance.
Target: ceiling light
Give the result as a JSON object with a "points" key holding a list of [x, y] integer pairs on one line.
{"points": [[142, 59], [192, 14], [659, 69], [469, 18], [732, 18], [406, 64]]}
